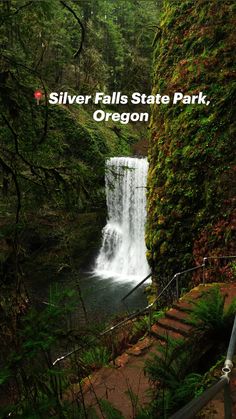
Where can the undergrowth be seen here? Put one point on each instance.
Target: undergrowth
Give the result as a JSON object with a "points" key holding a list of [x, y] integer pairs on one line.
{"points": [[209, 314]]}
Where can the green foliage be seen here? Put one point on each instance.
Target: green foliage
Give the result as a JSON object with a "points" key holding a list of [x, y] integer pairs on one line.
{"points": [[133, 399], [168, 361], [5, 374], [170, 369], [29, 370], [110, 411], [209, 314], [96, 357], [234, 268], [118, 42], [140, 325], [158, 315]]}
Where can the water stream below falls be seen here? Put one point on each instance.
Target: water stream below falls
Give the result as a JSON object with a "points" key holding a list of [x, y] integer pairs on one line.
{"points": [[123, 251], [102, 298]]}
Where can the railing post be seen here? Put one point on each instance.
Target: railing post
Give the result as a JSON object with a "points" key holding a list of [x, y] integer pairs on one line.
{"points": [[203, 270], [150, 318], [231, 349], [112, 346], [177, 285], [227, 402]]}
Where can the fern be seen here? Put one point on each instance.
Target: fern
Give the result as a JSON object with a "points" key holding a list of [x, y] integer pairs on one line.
{"points": [[170, 371], [96, 357], [166, 364], [109, 411], [208, 313], [230, 310], [190, 386]]}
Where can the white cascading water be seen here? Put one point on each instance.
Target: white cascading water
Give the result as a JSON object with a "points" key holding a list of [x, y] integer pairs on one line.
{"points": [[123, 251]]}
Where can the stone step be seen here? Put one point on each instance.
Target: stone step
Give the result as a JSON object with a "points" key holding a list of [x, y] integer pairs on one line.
{"points": [[175, 314], [230, 294], [174, 325], [163, 334], [183, 306]]}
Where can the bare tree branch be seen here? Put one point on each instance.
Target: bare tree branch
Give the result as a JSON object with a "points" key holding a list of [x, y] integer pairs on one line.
{"points": [[16, 11], [81, 25]]}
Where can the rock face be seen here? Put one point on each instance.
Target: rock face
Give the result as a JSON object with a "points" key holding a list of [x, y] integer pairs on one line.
{"points": [[191, 184]]}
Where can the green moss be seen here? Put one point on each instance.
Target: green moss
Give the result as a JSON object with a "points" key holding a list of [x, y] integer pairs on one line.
{"points": [[192, 148]]}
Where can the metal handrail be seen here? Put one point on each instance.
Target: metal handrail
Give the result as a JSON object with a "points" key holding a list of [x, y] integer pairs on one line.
{"points": [[231, 349], [149, 307], [205, 259], [194, 406], [136, 287], [191, 409], [117, 325], [133, 315], [221, 257], [179, 273], [175, 277], [147, 277]]}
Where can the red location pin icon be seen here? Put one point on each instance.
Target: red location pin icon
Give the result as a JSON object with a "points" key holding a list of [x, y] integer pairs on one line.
{"points": [[38, 95]]}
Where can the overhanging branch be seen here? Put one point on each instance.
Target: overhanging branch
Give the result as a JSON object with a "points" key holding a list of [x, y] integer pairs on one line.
{"points": [[80, 24]]}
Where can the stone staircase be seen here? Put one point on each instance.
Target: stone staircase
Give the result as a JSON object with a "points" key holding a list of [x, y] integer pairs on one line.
{"points": [[175, 324], [111, 383]]}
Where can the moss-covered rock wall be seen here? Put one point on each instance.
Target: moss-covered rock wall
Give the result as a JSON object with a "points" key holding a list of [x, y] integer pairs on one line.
{"points": [[191, 183]]}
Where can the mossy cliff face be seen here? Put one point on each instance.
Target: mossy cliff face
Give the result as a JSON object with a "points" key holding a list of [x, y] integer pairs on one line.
{"points": [[191, 183]]}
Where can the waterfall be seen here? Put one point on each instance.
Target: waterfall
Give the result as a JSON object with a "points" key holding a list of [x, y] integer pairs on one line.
{"points": [[123, 250]]}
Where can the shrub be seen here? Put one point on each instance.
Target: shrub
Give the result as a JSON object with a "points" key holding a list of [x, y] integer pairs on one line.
{"points": [[170, 370], [209, 313]]}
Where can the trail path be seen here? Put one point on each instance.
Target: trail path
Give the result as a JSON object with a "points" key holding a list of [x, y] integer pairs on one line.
{"points": [[117, 382]]}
